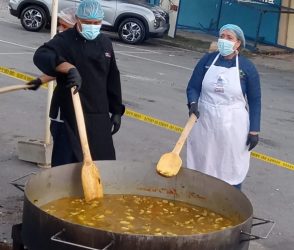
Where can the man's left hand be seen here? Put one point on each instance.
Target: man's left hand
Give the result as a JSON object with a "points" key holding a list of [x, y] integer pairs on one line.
{"points": [[252, 141], [115, 123]]}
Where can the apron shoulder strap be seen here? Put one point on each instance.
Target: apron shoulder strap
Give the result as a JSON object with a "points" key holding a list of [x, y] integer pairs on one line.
{"points": [[215, 59]]}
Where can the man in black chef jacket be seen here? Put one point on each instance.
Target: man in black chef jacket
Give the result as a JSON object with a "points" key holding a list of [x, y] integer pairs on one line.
{"points": [[83, 57]]}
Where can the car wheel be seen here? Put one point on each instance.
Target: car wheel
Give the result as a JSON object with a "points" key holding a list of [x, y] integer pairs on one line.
{"points": [[132, 31], [33, 18]]}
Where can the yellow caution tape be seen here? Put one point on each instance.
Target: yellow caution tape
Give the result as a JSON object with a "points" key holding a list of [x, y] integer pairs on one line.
{"points": [[272, 160], [160, 123], [16, 74], [153, 121]]}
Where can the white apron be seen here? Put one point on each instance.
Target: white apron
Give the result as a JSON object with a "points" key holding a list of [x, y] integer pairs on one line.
{"points": [[217, 143]]}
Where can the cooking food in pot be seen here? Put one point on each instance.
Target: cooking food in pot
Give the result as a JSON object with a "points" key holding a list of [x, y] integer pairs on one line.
{"points": [[139, 215]]}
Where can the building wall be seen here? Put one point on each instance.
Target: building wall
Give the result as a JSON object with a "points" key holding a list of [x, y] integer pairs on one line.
{"points": [[211, 15], [248, 18], [286, 26], [283, 26], [200, 14], [154, 1], [290, 38]]}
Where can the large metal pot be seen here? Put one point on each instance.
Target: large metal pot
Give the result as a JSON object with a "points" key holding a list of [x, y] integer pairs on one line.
{"points": [[41, 231]]}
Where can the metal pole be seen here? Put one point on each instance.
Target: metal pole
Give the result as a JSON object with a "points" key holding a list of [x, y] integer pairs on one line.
{"points": [[54, 11]]}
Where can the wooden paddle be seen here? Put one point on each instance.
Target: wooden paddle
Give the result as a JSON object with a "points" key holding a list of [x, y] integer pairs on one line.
{"points": [[91, 180], [13, 88], [170, 163]]}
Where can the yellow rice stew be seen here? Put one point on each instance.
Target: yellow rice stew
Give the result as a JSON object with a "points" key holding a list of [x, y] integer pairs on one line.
{"points": [[139, 215]]}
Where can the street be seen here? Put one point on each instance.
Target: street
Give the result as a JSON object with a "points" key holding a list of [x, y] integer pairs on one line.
{"points": [[154, 79]]}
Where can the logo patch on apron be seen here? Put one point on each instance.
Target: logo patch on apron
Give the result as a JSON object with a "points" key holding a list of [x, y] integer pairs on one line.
{"points": [[219, 86]]}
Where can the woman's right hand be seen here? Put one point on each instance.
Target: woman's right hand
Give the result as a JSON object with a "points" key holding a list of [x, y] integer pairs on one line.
{"points": [[194, 109]]}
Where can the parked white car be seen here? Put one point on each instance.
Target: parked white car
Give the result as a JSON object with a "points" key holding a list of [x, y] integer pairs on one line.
{"points": [[135, 21]]}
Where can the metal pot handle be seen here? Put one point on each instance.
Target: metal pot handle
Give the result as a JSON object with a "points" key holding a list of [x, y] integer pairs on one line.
{"points": [[18, 185], [57, 239], [262, 222]]}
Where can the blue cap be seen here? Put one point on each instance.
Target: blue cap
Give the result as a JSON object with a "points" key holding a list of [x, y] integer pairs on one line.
{"points": [[236, 30], [90, 9]]}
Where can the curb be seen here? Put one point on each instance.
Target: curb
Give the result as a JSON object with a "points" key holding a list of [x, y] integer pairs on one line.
{"points": [[203, 46], [275, 58], [184, 45]]}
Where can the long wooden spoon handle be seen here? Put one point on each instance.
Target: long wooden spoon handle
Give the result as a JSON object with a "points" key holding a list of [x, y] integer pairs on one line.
{"points": [[189, 125], [81, 125], [13, 88]]}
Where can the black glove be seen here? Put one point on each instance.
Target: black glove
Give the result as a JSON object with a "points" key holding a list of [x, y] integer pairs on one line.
{"points": [[73, 78], [193, 109], [34, 84], [252, 141], [115, 123]]}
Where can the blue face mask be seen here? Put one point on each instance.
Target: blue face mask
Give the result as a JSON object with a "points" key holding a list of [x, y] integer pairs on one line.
{"points": [[225, 47], [90, 31]]}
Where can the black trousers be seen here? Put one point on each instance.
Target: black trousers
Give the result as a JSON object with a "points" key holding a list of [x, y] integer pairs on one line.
{"points": [[62, 151]]}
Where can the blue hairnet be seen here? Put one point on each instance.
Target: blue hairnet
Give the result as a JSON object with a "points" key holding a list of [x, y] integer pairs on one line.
{"points": [[237, 31], [90, 9]]}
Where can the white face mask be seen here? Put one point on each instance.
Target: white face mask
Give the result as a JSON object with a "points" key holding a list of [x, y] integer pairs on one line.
{"points": [[225, 47]]}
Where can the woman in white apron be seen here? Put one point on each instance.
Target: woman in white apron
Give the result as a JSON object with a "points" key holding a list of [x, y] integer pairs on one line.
{"points": [[220, 142]]}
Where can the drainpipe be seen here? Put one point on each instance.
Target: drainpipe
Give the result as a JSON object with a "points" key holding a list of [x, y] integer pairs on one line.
{"points": [[219, 14], [258, 29]]}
